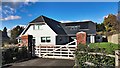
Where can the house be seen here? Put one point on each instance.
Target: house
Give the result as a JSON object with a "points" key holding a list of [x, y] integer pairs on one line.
{"points": [[46, 31], [71, 28]]}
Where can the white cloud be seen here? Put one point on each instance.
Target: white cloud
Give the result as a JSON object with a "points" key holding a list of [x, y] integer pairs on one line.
{"points": [[0, 11], [26, 2], [8, 10], [22, 26], [86, 20], [11, 18], [63, 21], [19, 25], [105, 16], [66, 21], [0, 8], [31, 0]]}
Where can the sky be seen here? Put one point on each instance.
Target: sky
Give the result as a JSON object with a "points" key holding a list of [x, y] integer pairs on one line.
{"points": [[21, 13]]}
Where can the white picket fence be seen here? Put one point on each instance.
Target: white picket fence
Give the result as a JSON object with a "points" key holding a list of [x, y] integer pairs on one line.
{"points": [[57, 51]]}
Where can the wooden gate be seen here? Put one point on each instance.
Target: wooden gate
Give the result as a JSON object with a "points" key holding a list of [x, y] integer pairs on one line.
{"points": [[57, 51]]}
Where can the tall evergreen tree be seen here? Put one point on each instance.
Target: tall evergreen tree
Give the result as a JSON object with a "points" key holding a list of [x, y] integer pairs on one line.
{"points": [[15, 32], [5, 38]]}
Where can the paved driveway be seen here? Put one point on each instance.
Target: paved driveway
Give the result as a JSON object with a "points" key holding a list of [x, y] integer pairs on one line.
{"points": [[45, 63]]}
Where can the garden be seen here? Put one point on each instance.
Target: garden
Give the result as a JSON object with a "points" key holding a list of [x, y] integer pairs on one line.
{"points": [[14, 54], [96, 55]]}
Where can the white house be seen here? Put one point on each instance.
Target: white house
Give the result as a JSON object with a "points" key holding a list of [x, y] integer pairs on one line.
{"points": [[46, 31]]}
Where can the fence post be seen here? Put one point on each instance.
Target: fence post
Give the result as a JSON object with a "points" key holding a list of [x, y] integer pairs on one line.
{"points": [[39, 51], [61, 52], [117, 59], [76, 62]]}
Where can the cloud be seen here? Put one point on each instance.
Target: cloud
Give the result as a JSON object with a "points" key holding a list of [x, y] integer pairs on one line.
{"points": [[19, 1], [66, 21], [105, 16], [19, 25], [0, 8], [0, 11], [86, 20], [7, 11], [63, 21], [10, 7], [26, 2], [10, 18]]}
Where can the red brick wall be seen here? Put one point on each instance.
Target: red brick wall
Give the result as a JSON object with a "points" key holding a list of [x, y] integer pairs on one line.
{"points": [[24, 40], [81, 38]]}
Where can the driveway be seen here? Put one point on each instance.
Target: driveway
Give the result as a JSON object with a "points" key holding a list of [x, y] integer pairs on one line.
{"points": [[44, 63]]}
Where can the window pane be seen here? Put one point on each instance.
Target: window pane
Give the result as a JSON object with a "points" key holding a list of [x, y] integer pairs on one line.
{"points": [[43, 39], [38, 27], [48, 39], [33, 27], [33, 40]]}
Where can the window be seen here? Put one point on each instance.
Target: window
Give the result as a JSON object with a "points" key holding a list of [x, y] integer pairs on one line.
{"points": [[19, 41], [33, 40], [33, 27], [60, 39], [45, 39], [36, 27]]}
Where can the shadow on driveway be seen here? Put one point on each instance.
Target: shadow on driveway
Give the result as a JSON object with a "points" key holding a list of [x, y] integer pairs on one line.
{"points": [[44, 63]]}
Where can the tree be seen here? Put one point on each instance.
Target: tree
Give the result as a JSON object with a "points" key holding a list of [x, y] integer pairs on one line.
{"points": [[5, 38], [15, 32], [111, 24], [100, 27], [4, 33], [118, 20]]}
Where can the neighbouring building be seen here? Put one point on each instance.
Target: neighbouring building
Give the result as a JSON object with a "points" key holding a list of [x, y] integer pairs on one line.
{"points": [[71, 28], [46, 31]]}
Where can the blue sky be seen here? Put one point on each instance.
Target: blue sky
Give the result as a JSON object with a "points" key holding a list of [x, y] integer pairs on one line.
{"points": [[21, 13]]}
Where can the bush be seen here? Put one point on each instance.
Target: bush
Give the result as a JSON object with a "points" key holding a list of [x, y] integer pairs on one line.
{"points": [[13, 54], [97, 60]]}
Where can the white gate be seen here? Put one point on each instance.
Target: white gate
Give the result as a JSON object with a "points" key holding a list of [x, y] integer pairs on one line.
{"points": [[57, 51]]}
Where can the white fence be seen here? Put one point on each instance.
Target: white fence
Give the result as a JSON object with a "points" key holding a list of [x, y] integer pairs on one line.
{"points": [[67, 52], [57, 51], [117, 58]]}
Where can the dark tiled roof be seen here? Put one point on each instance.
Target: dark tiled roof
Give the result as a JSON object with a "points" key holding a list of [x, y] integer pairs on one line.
{"points": [[38, 19], [53, 24], [77, 22]]}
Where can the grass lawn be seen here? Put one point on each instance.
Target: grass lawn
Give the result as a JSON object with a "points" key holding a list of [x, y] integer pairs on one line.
{"points": [[109, 47]]}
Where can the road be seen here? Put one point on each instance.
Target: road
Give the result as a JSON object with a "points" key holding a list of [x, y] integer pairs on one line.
{"points": [[44, 63]]}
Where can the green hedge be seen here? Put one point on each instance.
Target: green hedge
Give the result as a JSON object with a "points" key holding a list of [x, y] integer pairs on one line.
{"points": [[13, 54], [97, 60]]}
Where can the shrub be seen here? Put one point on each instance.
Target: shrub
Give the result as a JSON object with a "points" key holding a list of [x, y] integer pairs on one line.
{"points": [[13, 54], [97, 60]]}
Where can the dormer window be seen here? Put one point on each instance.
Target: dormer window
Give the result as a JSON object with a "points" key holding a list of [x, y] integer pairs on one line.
{"points": [[36, 27]]}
